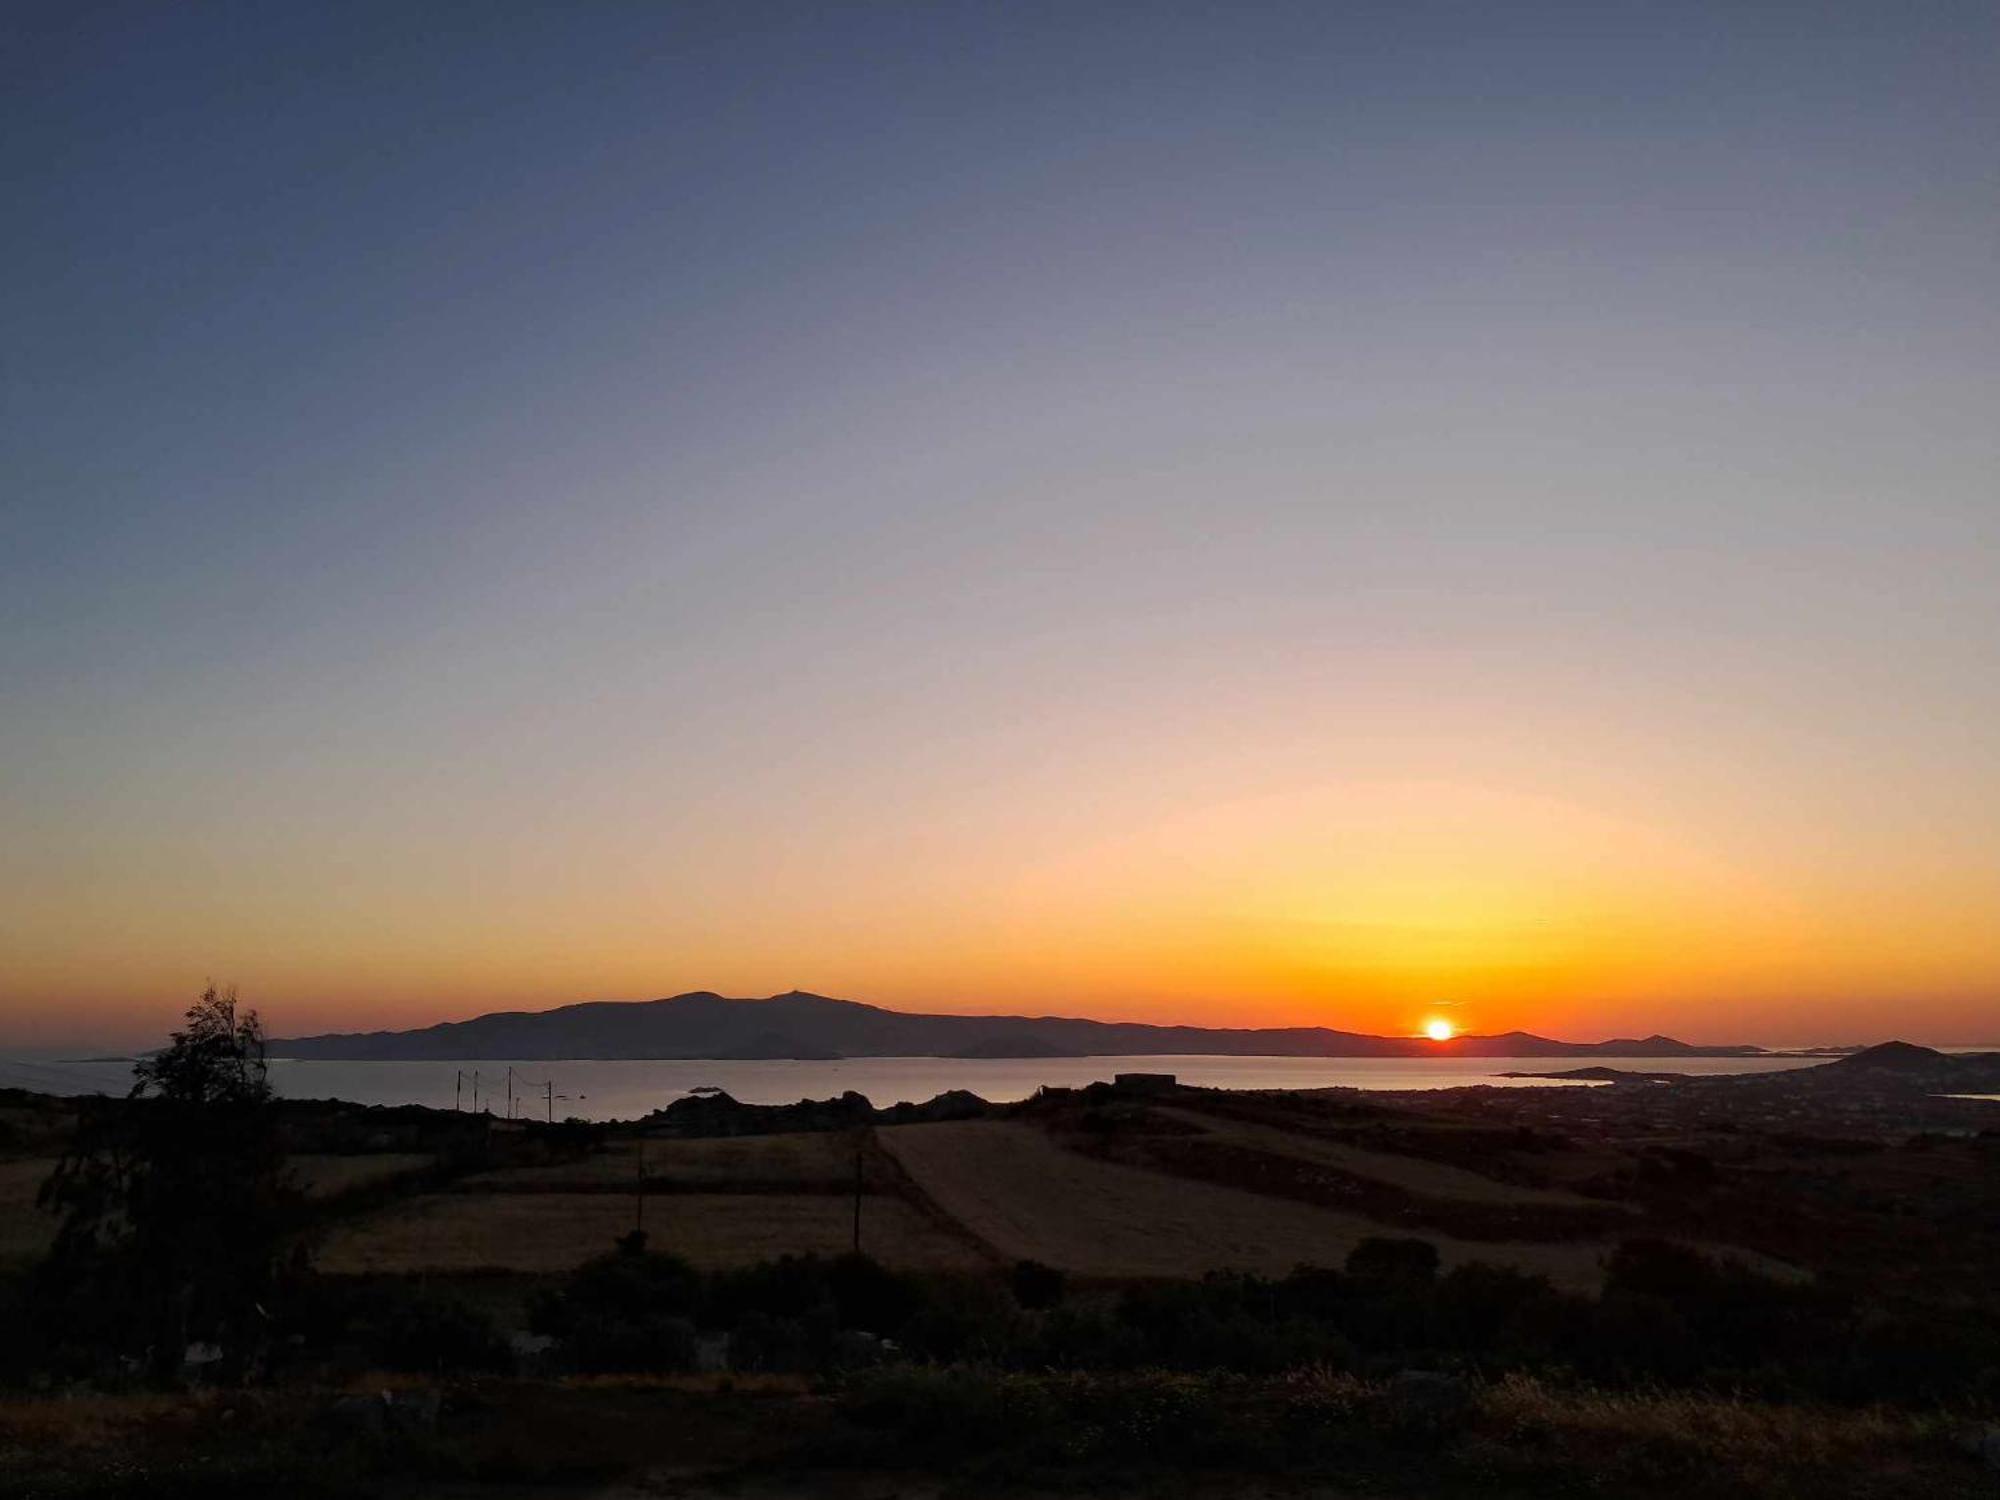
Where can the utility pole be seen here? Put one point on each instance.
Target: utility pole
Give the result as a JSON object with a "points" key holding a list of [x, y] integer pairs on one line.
{"points": [[510, 1093], [458, 1092], [857, 1192], [475, 1091], [549, 1090]]}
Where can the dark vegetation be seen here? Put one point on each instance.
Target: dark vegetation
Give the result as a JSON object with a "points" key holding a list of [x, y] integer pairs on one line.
{"points": [[1668, 1318], [178, 1339], [174, 1209], [1385, 1371]]}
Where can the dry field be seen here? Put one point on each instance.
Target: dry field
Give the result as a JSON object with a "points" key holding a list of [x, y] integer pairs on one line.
{"points": [[544, 1231], [25, 1231], [1027, 1197], [1413, 1174], [821, 1159]]}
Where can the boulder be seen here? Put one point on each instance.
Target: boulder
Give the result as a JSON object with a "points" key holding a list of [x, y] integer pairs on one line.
{"points": [[365, 1416], [1425, 1400], [1983, 1443], [413, 1413]]}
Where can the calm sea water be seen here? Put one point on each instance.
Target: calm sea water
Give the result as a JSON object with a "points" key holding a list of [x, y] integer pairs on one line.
{"points": [[594, 1090]]}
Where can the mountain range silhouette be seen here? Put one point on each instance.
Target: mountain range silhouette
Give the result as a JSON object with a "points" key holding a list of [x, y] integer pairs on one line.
{"points": [[797, 1024]]}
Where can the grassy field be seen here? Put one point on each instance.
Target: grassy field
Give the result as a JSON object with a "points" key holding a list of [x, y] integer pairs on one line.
{"points": [[554, 1231], [1027, 1197]]}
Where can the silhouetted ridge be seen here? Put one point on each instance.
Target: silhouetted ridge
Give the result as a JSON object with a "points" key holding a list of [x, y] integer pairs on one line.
{"points": [[797, 1024], [1903, 1057]]}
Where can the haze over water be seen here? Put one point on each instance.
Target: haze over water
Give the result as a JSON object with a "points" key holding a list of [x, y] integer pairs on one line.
{"points": [[601, 1090]]}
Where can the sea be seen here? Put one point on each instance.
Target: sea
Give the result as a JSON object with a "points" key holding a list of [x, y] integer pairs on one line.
{"points": [[591, 1089]]}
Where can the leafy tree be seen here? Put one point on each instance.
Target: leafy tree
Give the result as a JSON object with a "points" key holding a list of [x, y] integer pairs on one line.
{"points": [[175, 1207]]}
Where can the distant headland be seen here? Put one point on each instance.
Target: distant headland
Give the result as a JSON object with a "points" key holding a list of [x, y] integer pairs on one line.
{"points": [[801, 1025]]}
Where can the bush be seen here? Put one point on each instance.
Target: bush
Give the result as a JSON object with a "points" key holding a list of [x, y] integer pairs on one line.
{"points": [[393, 1324], [967, 1318], [438, 1335], [1403, 1264], [1036, 1286], [628, 1311], [1227, 1322]]}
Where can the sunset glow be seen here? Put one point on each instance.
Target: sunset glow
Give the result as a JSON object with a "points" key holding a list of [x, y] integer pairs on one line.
{"points": [[1440, 1031], [1193, 517]]}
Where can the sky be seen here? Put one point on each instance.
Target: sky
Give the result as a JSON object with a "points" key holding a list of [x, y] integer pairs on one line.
{"points": [[1243, 514]]}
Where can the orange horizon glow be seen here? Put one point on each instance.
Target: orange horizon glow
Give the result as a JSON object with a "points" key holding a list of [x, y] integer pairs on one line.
{"points": [[1351, 907]]}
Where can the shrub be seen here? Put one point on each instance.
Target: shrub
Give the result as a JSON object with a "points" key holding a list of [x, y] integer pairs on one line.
{"points": [[1399, 1263], [1036, 1286], [434, 1334], [630, 1310]]}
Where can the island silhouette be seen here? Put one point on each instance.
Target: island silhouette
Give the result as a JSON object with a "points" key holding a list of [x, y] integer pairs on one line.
{"points": [[801, 1025]]}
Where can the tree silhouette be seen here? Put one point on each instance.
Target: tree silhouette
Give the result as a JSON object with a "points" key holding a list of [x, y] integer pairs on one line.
{"points": [[174, 1201]]}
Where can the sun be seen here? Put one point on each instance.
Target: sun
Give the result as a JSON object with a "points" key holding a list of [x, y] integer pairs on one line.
{"points": [[1440, 1030]]}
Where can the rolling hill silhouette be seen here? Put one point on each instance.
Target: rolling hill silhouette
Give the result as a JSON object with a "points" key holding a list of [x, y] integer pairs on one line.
{"points": [[800, 1025]]}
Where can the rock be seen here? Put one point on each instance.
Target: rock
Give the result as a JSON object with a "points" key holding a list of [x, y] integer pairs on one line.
{"points": [[413, 1412], [406, 1413], [1425, 1400], [1984, 1445], [366, 1416], [711, 1353], [534, 1353], [853, 1350]]}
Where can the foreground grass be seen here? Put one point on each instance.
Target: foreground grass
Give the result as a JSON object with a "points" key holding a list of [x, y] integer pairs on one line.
{"points": [[1624, 1440], [975, 1432], [1519, 1436]]}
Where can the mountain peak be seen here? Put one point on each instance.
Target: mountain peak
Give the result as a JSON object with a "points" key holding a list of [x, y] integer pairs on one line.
{"points": [[1901, 1056]]}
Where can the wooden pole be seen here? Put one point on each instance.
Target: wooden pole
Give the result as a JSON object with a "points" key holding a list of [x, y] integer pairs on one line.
{"points": [[857, 1194]]}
